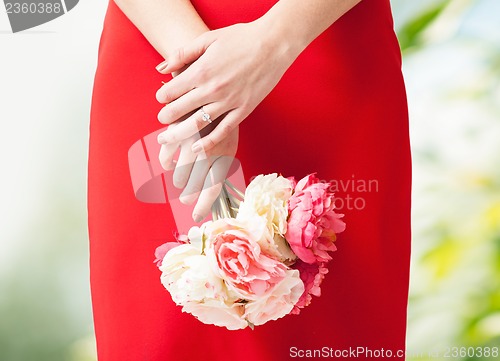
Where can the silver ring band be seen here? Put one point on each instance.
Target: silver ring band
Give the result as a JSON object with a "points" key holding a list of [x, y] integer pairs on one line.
{"points": [[205, 116]]}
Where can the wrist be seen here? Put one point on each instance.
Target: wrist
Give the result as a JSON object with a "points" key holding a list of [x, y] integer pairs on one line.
{"points": [[184, 35], [282, 33], [277, 41]]}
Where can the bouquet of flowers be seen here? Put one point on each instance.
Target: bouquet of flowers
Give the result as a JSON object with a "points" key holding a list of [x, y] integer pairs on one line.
{"points": [[258, 259]]}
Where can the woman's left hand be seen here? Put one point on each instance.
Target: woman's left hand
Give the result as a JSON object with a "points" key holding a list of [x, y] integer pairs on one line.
{"points": [[229, 72], [201, 176]]}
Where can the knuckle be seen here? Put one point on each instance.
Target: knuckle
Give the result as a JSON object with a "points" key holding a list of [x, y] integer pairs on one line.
{"points": [[226, 129], [246, 108], [170, 138], [166, 97], [216, 87], [210, 143], [201, 74], [219, 86], [179, 55]]}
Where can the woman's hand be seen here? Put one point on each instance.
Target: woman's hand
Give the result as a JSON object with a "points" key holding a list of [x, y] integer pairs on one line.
{"points": [[200, 175], [226, 73], [229, 71]]}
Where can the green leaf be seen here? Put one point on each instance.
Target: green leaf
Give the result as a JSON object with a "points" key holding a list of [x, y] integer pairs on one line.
{"points": [[410, 34]]}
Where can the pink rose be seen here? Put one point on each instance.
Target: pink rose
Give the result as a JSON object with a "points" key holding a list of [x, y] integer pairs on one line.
{"points": [[312, 275], [235, 253], [312, 223]]}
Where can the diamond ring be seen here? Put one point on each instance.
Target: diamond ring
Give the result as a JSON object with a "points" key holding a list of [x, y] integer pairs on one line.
{"points": [[205, 116]]}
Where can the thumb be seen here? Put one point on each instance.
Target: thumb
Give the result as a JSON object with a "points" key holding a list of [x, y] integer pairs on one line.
{"points": [[185, 55]]}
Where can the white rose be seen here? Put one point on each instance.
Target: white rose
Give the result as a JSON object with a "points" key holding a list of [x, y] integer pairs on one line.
{"points": [[217, 312], [277, 304], [197, 235], [267, 196], [187, 275]]}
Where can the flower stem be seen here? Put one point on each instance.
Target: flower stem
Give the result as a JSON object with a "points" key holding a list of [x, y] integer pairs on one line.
{"points": [[234, 189], [226, 205]]}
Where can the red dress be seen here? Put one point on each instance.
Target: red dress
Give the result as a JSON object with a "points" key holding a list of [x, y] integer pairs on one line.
{"points": [[340, 111]]}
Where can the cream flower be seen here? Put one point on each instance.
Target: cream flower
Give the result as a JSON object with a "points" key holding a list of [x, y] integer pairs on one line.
{"points": [[277, 304], [219, 313], [267, 196], [187, 275]]}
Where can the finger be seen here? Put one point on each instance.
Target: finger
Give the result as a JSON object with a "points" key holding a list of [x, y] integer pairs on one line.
{"points": [[221, 131], [166, 156], [212, 187], [174, 89], [184, 165], [192, 125], [196, 180], [185, 55], [191, 101]]}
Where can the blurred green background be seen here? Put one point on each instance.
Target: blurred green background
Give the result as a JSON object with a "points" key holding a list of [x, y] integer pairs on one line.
{"points": [[451, 52], [452, 66]]}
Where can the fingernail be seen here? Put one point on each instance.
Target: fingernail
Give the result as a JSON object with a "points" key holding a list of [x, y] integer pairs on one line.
{"points": [[161, 139], [196, 148], [197, 218], [162, 66]]}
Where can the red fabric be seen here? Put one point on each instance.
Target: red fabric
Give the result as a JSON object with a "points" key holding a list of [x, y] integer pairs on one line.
{"points": [[339, 111]]}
